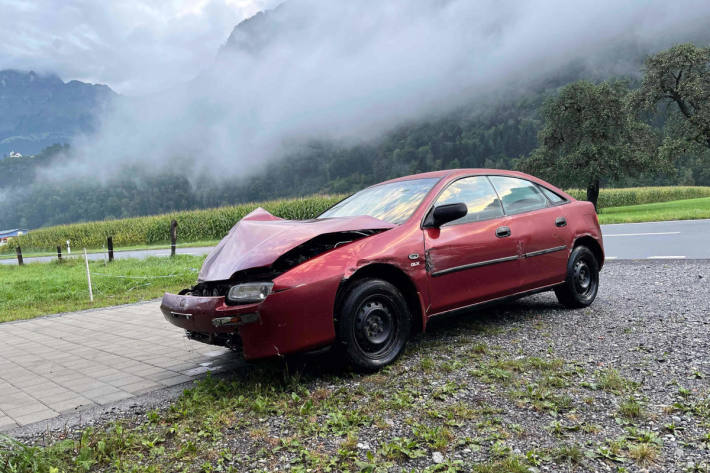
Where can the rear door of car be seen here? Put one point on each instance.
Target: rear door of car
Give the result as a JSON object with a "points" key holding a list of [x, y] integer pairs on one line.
{"points": [[472, 259], [540, 226]]}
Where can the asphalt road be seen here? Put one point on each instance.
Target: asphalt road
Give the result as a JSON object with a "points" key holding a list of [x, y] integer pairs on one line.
{"points": [[678, 239]]}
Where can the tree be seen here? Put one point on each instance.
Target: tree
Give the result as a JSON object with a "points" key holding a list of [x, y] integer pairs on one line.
{"points": [[679, 79], [588, 137]]}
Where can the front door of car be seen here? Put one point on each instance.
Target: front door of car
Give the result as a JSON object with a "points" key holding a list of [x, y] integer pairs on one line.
{"points": [[541, 229], [474, 258]]}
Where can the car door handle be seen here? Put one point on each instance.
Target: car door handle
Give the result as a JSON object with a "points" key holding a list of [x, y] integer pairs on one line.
{"points": [[561, 222], [502, 232]]}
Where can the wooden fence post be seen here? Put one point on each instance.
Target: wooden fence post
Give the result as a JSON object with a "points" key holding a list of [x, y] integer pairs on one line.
{"points": [[18, 250], [173, 237], [59, 253], [110, 248]]}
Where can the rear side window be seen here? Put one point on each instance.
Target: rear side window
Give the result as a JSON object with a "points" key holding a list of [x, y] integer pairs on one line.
{"points": [[478, 195], [518, 195], [553, 196]]}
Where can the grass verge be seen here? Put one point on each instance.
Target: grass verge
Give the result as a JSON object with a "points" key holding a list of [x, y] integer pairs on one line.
{"points": [[48, 288], [688, 209]]}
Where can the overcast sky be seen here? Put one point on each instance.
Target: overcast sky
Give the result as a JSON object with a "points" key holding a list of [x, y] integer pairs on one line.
{"points": [[135, 46]]}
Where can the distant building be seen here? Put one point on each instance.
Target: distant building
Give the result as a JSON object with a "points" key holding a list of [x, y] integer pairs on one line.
{"points": [[5, 235], [15, 154]]}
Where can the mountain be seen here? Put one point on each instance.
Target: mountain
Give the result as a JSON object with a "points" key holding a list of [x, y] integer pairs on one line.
{"points": [[38, 110], [256, 32]]}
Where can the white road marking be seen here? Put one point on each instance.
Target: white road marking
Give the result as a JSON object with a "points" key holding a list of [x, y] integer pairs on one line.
{"points": [[699, 220], [641, 234], [666, 257]]}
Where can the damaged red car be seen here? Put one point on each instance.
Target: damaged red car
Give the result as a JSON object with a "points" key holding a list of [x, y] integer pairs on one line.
{"points": [[376, 267]]}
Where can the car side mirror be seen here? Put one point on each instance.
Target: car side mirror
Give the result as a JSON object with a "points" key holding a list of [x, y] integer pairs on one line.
{"points": [[442, 214]]}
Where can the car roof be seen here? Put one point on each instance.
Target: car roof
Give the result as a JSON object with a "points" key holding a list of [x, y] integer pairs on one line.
{"points": [[454, 172]]}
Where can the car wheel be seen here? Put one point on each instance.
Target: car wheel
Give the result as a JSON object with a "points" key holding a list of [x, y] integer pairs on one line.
{"points": [[582, 282], [373, 324]]}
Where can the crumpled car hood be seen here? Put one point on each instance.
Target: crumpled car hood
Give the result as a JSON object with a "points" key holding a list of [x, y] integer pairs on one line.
{"points": [[260, 238]]}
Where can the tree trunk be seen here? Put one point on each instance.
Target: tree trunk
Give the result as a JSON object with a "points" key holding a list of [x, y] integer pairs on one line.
{"points": [[593, 193]]}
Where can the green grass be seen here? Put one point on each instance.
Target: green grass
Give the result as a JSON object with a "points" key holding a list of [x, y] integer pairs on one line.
{"points": [[48, 288], [688, 209]]}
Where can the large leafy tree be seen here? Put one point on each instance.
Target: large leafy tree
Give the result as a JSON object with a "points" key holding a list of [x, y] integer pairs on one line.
{"points": [[589, 137], [677, 84]]}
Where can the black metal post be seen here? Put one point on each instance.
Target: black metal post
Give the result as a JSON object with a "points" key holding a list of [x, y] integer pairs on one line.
{"points": [[18, 250], [173, 237], [59, 253], [109, 241]]}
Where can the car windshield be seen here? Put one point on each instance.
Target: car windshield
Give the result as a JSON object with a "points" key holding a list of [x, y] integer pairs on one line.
{"points": [[394, 202]]}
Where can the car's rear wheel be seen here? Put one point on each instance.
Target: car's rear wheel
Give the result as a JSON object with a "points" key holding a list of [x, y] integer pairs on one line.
{"points": [[373, 324], [582, 282]]}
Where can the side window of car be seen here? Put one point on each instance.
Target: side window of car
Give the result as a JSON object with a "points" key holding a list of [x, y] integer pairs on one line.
{"points": [[478, 195], [553, 196], [518, 195]]}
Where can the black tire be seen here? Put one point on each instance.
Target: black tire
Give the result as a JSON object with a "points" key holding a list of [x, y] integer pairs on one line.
{"points": [[373, 324], [582, 282]]}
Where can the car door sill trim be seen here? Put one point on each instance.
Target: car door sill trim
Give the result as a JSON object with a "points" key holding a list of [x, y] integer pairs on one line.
{"points": [[546, 251], [474, 265], [478, 305], [497, 260]]}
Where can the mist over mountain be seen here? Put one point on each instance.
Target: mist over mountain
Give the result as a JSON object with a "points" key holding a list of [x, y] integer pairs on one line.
{"points": [[39, 110]]}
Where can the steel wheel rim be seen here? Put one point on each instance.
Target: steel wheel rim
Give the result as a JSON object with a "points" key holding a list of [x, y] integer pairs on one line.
{"points": [[375, 326], [584, 282]]}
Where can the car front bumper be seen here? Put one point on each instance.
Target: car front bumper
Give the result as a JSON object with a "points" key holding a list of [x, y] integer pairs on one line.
{"points": [[298, 318]]}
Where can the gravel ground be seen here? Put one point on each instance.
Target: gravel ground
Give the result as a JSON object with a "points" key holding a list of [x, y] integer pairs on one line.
{"points": [[528, 386]]}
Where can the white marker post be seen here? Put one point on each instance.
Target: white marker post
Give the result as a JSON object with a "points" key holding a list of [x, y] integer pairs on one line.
{"points": [[88, 276], [68, 248]]}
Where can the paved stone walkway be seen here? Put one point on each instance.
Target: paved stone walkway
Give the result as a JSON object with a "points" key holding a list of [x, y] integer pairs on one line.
{"points": [[53, 365]]}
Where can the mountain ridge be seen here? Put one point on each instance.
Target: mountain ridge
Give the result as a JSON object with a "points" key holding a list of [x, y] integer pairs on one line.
{"points": [[39, 110]]}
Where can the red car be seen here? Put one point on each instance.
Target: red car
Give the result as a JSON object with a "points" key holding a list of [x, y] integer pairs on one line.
{"points": [[374, 268]]}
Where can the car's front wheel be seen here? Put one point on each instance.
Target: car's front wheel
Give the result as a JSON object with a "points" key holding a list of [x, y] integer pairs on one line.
{"points": [[373, 324], [582, 282]]}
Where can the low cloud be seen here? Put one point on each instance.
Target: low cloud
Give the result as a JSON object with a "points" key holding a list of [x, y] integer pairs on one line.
{"points": [[343, 70]]}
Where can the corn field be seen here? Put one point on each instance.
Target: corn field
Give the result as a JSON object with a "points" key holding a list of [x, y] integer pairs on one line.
{"points": [[196, 225], [642, 195]]}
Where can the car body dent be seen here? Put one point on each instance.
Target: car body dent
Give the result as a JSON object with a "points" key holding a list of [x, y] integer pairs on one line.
{"points": [[260, 238]]}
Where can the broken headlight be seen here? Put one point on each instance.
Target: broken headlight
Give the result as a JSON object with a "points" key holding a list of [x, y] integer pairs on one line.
{"points": [[249, 292]]}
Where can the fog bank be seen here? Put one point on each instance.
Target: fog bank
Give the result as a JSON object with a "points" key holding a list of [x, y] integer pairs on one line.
{"points": [[350, 71]]}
